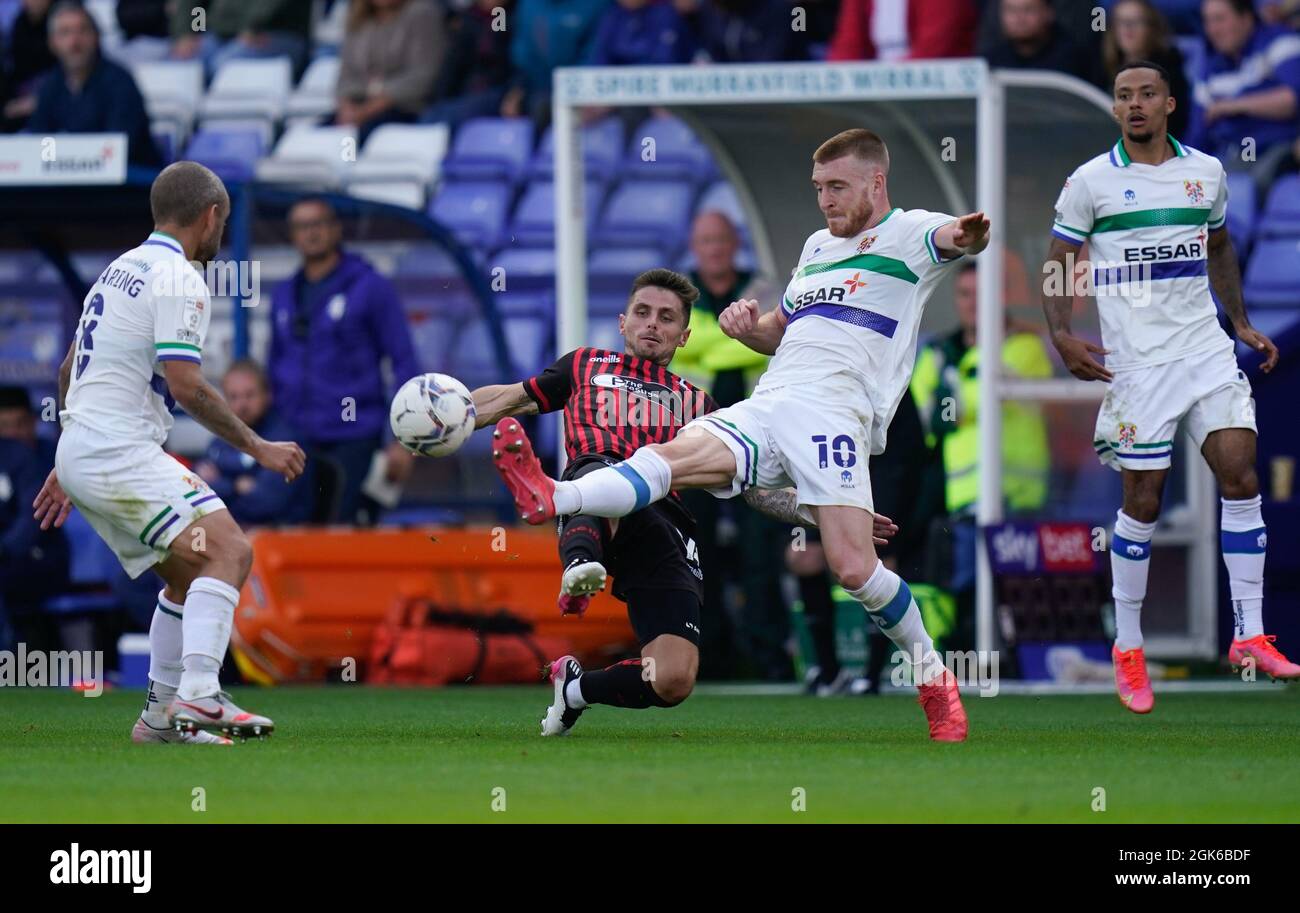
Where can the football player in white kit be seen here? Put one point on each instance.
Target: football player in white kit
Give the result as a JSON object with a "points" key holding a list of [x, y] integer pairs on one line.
{"points": [[136, 352], [1153, 213], [844, 340]]}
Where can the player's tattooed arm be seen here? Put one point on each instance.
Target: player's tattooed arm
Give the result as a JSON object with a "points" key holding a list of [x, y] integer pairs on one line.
{"points": [[780, 503], [1225, 279], [496, 401], [1058, 306], [206, 406]]}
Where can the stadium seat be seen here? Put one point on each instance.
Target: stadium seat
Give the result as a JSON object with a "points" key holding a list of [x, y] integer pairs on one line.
{"points": [[312, 156], [525, 269], [1281, 217], [721, 197], [677, 152], [232, 154], [537, 304], [601, 305], [474, 210], [473, 358], [173, 91], [534, 220], [602, 150], [612, 269], [490, 147], [399, 163], [249, 89], [1243, 210], [603, 333], [647, 214], [91, 566], [432, 338], [1271, 279], [313, 98]]}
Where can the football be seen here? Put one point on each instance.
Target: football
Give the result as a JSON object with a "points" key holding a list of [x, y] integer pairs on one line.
{"points": [[432, 415]]}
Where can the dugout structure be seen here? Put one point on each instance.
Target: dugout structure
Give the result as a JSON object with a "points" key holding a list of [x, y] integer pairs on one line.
{"points": [[961, 138]]}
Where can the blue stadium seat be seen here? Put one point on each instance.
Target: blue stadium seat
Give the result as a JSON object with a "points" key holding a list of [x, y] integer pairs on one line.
{"points": [[231, 153], [91, 567], [610, 270], [1271, 279], [1281, 218], [432, 339], [536, 304], [1243, 211], [603, 334], [526, 269], [602, 150], [475, 211], [534, 220], [647, 214], [605, 305], [721, 197], [678, 153], [490, 147]]}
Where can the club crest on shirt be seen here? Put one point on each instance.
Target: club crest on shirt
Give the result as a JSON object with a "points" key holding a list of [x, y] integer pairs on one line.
{"points": [[193, 312], [194, 482], [1195, 192], [1127, 434], [865, 244]]}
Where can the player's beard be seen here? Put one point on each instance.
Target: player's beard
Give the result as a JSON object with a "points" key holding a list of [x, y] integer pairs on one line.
{"points": [[1142, 137], [207, 250], [858, 219]]}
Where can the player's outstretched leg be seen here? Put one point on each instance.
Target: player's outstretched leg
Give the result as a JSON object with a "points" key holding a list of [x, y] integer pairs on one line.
{"points": [[688, 461]]}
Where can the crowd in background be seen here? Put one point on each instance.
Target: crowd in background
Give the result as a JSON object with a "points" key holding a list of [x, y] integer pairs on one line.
{"points": [[446, 62]]}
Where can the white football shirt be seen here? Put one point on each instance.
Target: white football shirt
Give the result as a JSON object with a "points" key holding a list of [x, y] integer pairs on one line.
{"points": [[1147, 228], [853, 307], [150, 305]]}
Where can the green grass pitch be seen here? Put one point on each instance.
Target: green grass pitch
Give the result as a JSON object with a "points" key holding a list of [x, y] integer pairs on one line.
{"points": [[352, 753]]}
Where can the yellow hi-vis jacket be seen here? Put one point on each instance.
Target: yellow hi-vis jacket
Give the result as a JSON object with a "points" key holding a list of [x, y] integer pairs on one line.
{"points": [[953, 424]]}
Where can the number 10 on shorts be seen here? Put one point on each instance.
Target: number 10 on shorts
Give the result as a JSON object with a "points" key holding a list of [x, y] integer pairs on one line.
{"points": [[842, 450]]}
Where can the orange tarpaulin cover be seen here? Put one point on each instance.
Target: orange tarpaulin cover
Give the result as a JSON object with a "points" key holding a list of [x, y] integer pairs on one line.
{"points": [[314, 597]]}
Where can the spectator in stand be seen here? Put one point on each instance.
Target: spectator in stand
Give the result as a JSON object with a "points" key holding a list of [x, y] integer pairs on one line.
{"points": [[547, 34], [1079, 19], [27, 58], [254, 496], [1246, 89], [240, 29], [475, 72], [1285, 13], [390, 57], [146, 28], [332, 324], [33, 564], [1032, 39], [1139, 31], [745, 31], [18, 423], [89, 93], [642, 32], [904, 30]]}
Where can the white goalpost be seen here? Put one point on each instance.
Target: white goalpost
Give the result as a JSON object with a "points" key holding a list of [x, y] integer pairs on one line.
{"points": [[952, 127]]}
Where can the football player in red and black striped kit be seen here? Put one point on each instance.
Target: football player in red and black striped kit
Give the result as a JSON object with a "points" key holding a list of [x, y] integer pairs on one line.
{"points": [[615, 402]]}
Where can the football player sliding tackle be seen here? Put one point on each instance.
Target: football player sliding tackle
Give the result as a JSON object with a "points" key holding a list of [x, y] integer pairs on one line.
{"points": [[844, 340], [615, 402]]}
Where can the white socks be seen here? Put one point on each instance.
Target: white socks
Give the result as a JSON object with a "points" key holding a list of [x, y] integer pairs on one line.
{"points": [[1130, 560], [1244, 539], [209, 612], [164, 661], [573, 694], [618, 490], [889, 603]]}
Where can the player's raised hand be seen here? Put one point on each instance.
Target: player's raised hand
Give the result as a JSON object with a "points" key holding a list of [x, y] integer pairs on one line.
{"points": [[1260, 343], [1077, 354], [739, 318], [971, 230], [52, 505], [283, 457], [882, 529]]}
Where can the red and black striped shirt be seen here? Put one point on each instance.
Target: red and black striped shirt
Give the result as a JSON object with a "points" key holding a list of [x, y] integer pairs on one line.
{"points": [[615, 403]]}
